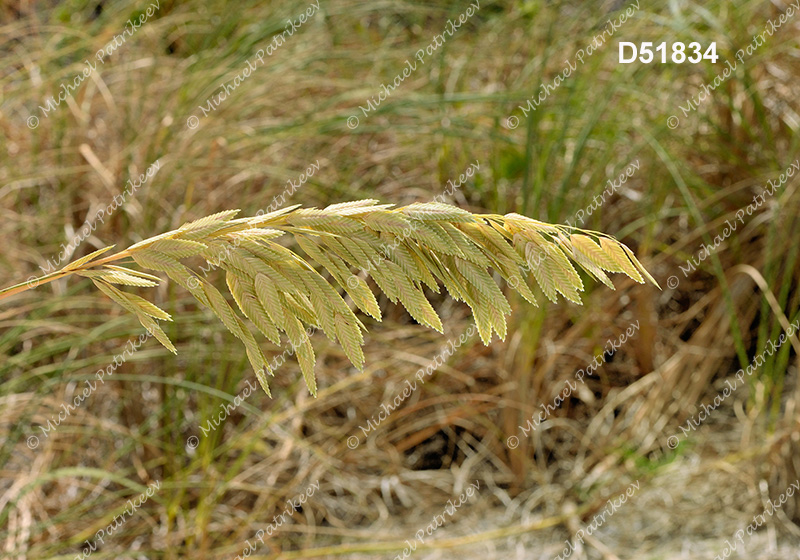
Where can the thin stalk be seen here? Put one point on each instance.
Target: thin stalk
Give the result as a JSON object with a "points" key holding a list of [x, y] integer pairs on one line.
{"points": [[58, 274]]}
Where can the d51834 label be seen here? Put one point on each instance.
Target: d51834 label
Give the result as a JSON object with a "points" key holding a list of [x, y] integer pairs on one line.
{"points": [[676, 52]]}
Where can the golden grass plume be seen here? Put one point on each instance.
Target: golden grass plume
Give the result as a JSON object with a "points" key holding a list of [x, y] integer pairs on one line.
{"points": [[401, 249]]}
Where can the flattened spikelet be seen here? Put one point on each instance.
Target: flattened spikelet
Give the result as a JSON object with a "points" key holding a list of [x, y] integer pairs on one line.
{"points": [[154, 329], [591, 251], [638, 265], [138, 273], [118, 277], [322, 221], [350, 338], [391, 222], [437, 212], [156, 261], [220, 218], [416, 303], [221, 309], [83, 260], [358, 207], [175, 248], [615, 252]]}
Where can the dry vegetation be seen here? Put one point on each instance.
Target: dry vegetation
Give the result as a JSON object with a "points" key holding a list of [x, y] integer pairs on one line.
{"points": [[148, 422]]}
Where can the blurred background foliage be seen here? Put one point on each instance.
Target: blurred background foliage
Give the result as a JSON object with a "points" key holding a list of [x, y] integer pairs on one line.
{"points": [[450, 112]]}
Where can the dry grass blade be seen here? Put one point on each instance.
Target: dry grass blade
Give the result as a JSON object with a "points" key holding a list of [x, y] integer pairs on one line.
{"points": [[401, 249]]}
